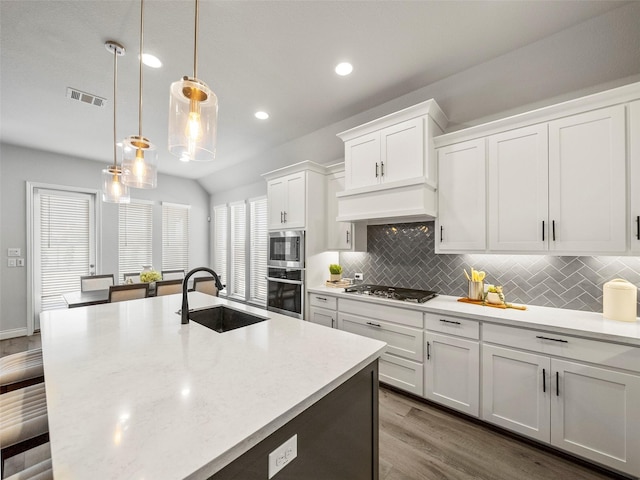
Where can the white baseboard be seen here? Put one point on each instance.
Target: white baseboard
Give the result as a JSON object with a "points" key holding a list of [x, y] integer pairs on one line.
{"points": [[16, 332]]}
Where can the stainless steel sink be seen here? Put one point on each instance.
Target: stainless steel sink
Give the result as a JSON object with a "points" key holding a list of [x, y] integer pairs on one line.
{"points": [[222, 319]]}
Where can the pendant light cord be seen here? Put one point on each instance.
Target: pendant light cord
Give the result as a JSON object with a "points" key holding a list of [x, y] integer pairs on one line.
{"points": [[140, 87], [115, 80], [195, 44]]}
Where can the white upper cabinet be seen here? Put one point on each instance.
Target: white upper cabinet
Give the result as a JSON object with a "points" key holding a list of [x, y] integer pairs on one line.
{"points": [[342, 235], [286, 199], [634, 155], [587, 182], [461, 197], [402, 151], [518, 189], [362, 160]]}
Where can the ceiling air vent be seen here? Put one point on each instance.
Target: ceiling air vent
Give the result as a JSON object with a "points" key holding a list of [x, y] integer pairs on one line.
{"points": [[75, 94]]}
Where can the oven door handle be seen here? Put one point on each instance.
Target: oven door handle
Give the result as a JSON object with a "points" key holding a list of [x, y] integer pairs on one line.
{"points": [[284, 280]]}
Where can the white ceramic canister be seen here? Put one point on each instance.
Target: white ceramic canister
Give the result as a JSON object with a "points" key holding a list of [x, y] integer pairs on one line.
{"points": [[619, 300]]}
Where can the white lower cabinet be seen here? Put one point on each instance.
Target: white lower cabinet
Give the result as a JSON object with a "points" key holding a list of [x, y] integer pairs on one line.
{"points": [[322, 310], [590, 411]]}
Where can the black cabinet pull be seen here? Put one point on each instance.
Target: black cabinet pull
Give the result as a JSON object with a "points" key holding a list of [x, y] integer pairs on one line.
{"points": [[382, 169], [285, 217], [332, 323], [428, 351], [450, 321], [376, 169], [281, 218], [638, 227], [552, 339], [441, 228], [544, 380], [543, 230], [321, 298], [557, 384], [347, 236], [373, 324], [553, 230]]}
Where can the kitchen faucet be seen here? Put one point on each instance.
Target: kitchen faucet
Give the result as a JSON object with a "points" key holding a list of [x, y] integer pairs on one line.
{"points": [[185, 301]]}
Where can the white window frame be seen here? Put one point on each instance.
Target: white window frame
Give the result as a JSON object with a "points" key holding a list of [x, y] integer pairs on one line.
{"points": [[169, 265], [254, 275], [216, 246]]}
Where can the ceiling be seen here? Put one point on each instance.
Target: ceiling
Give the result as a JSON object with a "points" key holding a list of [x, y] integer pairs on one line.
{"points": [[276, 56]]}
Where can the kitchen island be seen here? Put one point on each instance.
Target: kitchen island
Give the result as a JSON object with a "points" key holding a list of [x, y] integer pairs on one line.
{"points": [[132, 393]]}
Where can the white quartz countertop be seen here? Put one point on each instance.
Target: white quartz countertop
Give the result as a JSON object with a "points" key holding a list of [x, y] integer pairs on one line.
{"points": [[132, 393], [572, 322]]}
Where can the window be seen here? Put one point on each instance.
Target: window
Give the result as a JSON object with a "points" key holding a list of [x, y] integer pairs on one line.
{"points": [[175, 236], [220, 225], [238, 247], [134, 237], [258, 250]]}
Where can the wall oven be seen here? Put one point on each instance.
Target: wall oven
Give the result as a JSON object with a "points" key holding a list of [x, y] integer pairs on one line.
{"points": [[286, 249], [285, 291]]}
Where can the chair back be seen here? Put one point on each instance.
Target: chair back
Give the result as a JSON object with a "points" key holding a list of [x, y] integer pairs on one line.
{"points": [[168, 287], [119, 293], [89, 283], [131, 277], [172, 274], [205, 285]]}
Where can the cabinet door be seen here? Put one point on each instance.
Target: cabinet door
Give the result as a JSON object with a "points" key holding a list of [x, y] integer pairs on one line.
{"points": [[595, 413], [402, 151], [634, 142], [401, 373], [461, 197], [518, 190], [587, 182], [322, 316], [516, 391], [276, 202], [362, 161], [452, 372], [339, 234], [295, 201]]}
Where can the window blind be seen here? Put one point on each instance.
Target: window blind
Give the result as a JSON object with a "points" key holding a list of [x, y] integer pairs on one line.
{"points": [[175, 236], [134, 237], [238, 249], [220, 227], [258, 250]]}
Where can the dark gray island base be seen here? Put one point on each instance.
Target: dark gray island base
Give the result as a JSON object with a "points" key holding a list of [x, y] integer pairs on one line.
{"points": [[337, 438]]}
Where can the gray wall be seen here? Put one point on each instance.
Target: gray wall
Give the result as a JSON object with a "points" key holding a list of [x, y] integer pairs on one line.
{"points": [[19, 165], [403, 255]]}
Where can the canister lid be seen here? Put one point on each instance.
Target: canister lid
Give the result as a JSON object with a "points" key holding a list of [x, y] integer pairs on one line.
{"points": [[620, 284]]}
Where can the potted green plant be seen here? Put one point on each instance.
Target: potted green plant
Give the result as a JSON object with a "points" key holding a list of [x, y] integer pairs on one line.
{"points": [[336, 272]]}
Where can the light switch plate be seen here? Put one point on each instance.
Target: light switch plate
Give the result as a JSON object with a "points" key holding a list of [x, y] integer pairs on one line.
{"points": [[11, 262], [13, 252], [358, 276], [20, 262], [283, 455]]}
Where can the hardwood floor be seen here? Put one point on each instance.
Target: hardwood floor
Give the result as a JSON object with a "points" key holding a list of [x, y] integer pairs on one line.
{"points": [[419, 441]]}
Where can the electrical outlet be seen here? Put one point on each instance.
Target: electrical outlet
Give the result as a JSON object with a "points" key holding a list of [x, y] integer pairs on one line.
{"points": [[283, 455], [358, 276], [11, 262], [13, 252], [20, 262]]}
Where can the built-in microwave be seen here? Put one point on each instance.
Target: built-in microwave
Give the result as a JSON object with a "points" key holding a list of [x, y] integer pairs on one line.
{"points": [[286, 249]]}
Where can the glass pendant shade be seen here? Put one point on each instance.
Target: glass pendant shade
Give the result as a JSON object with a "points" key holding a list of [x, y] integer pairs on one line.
{"points": [[193, 120], [139, 163], [113, 190]]}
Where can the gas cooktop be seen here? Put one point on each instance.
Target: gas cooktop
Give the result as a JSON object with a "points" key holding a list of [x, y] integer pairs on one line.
{"points": [[402, 294]]}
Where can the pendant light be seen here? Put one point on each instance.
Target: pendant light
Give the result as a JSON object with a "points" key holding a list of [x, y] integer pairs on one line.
{"points": [[193, 114], [140, 163], [113, 190]]}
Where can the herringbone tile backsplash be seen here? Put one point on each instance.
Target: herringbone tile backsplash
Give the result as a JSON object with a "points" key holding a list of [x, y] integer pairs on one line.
{"points": [[403, 255]]}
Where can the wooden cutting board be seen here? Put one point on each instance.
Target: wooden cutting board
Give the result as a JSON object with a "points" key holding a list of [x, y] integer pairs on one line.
{"points": [[504, 306]]}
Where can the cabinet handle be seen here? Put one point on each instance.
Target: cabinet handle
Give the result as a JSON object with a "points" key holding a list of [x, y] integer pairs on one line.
{"points": [[285, 217], [544, 380], [376, 169], [543, 230], [373, 324], [552, 339], [553, 229], [347, 236], [450, 321], [638, 227], [441, 228], [281, 218], [333, 323], [428, 351], [382, 169], [321, 298], [557, 384]]}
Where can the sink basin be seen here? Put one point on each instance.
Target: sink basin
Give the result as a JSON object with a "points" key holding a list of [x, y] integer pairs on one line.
{"points": [[222, 319]]}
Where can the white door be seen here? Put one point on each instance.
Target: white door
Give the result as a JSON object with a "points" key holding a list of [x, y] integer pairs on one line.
{"points": [[362, 161], [519, 190], [276, 198], [595, 413], [587, 186], [339, 234], [452, 372], [295, 201], [402, 151], [322, 316], [634, 155], [461, 197], [516, 391], [64, 241]]}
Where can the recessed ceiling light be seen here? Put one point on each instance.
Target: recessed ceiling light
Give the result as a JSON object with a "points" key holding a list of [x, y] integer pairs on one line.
{"points": [[262, 115], [344, 68], [151, 61]]}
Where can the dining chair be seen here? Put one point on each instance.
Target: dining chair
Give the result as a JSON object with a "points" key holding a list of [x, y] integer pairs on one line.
{"points": [[172, 274], [119, 293], [205, 285], [168, 287], [135, 277], [90, 283]]}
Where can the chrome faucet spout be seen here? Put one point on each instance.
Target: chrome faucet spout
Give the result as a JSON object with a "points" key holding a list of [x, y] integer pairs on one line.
{"points": [[185, 301]]}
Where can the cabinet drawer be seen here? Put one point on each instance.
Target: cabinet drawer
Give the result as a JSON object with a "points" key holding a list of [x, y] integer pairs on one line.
{"points": [[322, 316], [403, 341], [594, 351], [401, 373], [411, 318], [452, 325], [323, 301]]}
